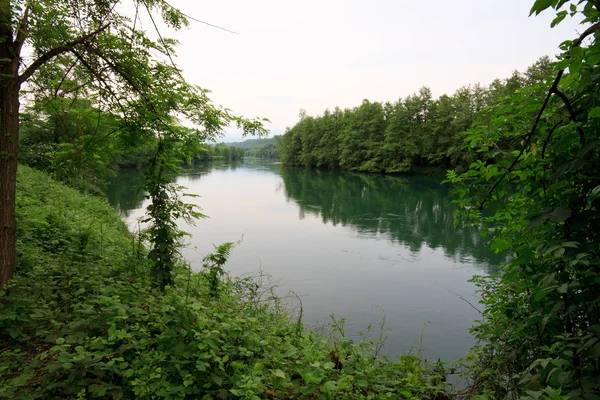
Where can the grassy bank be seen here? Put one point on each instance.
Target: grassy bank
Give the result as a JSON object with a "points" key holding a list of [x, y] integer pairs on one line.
{"points": [[81, 320]]}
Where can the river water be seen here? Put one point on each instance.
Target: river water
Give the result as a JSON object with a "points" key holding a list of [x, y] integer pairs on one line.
{"points": [[347, 244]]}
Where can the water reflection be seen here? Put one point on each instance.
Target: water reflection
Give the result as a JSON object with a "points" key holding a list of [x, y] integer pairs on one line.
{"points": [[413, 211], [125, 192]]}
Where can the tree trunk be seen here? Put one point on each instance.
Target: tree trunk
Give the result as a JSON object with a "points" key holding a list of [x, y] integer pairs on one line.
{"points": [[9, 139], [9, 149]]}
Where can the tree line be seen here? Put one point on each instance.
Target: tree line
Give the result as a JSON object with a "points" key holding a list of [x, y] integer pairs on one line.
{"points": [[219, 151], [260, 148], [412, 133]]}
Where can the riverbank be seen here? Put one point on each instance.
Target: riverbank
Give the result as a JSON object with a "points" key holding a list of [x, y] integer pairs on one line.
{"points": [[80, 319], [349, 244]]}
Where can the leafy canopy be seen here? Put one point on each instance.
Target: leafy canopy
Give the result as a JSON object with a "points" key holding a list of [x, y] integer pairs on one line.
{"points": [[539, 172]]}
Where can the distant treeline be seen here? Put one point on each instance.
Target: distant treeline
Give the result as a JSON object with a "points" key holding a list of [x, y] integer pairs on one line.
{"points": [[411, 133], [84, 146], [260, 148], [220, 151]]}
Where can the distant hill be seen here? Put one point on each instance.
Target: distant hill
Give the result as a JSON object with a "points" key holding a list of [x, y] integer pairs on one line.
{"points": [[253, 143], [261, 148]]}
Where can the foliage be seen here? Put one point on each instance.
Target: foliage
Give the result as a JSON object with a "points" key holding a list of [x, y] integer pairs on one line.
{"points": [[254, 143], [85, 322], [538, 171], [269, 148], [95, 72], [213, 264], [417, 132], [78, 143], [57, 225], [220, 151], [165, 209]]}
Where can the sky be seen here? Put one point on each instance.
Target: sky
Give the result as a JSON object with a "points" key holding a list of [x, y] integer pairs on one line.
{"points": [[319, 54]]}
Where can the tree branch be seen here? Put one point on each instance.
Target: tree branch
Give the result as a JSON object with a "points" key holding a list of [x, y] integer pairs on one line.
{"points": [[44, 58], [200, 21], [117, 70], [553, 89], [64, 78], [572, 113], [22, 32], [577, 42], [548, 137], [529, 135], [163, 43], [101, 81]]}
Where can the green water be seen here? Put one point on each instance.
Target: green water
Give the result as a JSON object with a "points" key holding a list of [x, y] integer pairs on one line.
{"points": [[346, 244]]}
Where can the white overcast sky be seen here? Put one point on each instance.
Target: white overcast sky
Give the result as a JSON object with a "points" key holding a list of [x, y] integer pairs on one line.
{"points": [[318, 54]]}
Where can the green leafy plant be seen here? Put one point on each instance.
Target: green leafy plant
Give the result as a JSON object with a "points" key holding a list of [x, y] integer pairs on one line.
{"points": [[538, 173]]}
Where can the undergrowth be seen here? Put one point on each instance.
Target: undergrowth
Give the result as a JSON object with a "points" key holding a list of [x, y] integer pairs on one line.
{"points": [[82, 320]]}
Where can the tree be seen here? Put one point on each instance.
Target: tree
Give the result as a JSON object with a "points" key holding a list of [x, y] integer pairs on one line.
{"points": [[91, 43], [361, 135], [538, 176]]}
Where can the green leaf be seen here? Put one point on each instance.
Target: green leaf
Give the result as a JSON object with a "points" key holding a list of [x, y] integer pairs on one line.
{"points": [[540, 294], [559, 17], [539, 6], [559, 253], [330, 387], [594, 112], [593, 58], [560, 214], [279, 373], [563, 288]]}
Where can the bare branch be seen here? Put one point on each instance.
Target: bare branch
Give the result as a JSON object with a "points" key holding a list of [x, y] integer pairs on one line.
{"points": [[163, 42], [202, 22], [22, 33], [64, 78], [577, 42], [44, 58]]}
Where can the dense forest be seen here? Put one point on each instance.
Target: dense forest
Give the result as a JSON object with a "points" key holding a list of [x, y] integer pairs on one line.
{"points": [[412, 133], [268, 148], [219, 151], [90, 310]]}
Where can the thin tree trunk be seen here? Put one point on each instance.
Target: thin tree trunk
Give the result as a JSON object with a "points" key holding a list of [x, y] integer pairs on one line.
{"points": [[9, 149], [9, 141]]}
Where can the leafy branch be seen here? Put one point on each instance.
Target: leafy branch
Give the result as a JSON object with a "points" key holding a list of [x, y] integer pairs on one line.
{"points": [[553, 90]]}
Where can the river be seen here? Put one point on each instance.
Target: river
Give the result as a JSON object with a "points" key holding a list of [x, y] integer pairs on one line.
{"points": [[347, 244]]}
